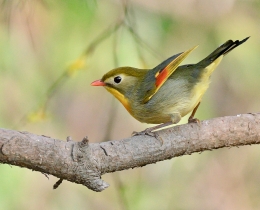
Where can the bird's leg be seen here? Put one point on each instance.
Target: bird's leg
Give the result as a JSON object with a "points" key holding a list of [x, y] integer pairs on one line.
{"points": [[175, 118], [148, 131], [191, 118]]}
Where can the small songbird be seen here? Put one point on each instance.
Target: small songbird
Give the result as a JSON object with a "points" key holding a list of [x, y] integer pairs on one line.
{"points": [[167, 92]]}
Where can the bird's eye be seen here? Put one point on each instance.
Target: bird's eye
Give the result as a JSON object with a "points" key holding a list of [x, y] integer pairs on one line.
{"points": [[117, 79]]}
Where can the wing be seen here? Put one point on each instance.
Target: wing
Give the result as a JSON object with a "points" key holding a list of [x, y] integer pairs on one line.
{"points": [[162, 74]]}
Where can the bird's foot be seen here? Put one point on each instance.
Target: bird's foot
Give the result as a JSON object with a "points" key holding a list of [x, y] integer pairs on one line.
{"points": [[148, 132], [194, 120], [144, 132]]}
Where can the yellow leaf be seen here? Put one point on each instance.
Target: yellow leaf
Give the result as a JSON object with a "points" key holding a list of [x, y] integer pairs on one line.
{"points": [[76, 65], [37, 116]]}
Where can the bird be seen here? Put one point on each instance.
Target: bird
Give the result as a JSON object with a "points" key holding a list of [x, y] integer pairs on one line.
{"points": [[166, 93]]}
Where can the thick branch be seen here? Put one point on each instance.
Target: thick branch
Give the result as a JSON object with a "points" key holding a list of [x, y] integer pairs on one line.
{"points": [[84, 163]]}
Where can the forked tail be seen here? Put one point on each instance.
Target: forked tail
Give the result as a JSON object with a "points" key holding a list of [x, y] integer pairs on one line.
{"points": [[222, 50]]}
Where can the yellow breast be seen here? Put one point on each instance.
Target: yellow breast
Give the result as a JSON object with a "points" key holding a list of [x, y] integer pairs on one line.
{"points": [[120, 97]]}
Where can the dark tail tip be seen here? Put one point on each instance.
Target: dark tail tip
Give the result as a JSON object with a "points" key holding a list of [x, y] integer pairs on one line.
{"points": [[242, 41], [222, 50], [234, 45]]}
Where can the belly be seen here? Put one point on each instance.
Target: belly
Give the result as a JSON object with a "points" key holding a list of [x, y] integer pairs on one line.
{"points": [[180, 97]]}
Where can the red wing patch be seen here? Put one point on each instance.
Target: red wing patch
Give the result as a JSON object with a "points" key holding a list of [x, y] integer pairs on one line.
{"points": [[161, 77]]}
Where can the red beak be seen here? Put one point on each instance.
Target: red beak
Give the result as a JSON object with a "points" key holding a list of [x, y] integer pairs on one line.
{"points": [[98, 83]]}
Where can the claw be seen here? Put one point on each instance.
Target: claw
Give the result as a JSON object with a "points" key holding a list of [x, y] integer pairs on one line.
{"points": [[148, 132], [194, 120], [144, 132]]}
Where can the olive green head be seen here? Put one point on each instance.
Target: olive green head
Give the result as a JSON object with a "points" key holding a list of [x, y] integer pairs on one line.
{"points": [[123, 78], [122, 83]]}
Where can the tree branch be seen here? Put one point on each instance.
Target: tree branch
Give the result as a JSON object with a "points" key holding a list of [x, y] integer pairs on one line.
{"points": [[84, 162]]}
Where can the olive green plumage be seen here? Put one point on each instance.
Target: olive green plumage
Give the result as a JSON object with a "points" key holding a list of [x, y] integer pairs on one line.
{"points": [[178, 95]]}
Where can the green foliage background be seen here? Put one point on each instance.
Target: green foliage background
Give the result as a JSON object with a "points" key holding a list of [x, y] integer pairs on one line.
{"points": [[39, 40]]}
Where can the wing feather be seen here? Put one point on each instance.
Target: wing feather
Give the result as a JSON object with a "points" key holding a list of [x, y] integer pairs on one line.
{"points": [[163, 74]]}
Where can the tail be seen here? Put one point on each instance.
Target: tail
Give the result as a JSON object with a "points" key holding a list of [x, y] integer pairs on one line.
{"points": [[222, 50]]}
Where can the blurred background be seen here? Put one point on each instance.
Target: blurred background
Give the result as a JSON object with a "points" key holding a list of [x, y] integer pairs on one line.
{"points": [[50, 52]]}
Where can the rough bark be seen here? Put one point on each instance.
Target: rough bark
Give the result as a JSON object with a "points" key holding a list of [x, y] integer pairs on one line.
{"points": [[84, 162]]}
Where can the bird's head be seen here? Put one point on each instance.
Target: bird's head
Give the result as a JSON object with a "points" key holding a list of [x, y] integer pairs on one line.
{"points": [[122, 83]]}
